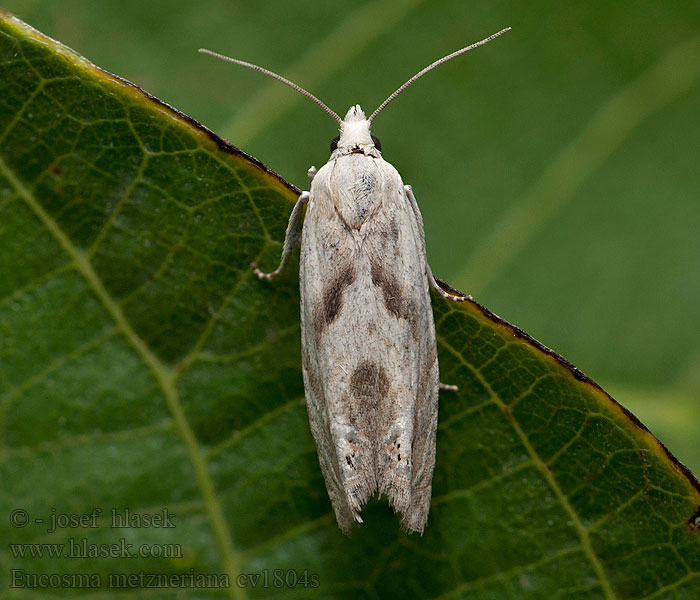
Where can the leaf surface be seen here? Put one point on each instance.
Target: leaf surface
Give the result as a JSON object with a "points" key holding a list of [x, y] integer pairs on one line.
{"points": [[143, 367]]}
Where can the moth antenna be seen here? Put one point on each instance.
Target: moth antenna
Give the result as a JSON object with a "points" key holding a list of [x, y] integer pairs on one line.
{"points": [[274, 75], [430, 67]]}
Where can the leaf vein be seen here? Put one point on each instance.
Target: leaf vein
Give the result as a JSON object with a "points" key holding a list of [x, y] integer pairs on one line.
{"points": [[163, 376]]}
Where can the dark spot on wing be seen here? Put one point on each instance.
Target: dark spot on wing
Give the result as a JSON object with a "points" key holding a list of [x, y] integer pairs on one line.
{"points": [[394, 300], [332, 299], [369, 383]]}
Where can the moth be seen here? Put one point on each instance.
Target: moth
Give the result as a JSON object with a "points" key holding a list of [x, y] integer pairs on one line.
{"points": [[369, 354]]}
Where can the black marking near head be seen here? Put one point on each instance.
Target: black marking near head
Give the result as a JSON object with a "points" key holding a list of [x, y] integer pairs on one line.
{"points": [[336, 139], [333, 299]]}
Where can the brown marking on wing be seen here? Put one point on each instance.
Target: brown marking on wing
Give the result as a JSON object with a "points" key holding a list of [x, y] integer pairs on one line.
{"points": [[394, 300], [332, 300], [369, 383]]}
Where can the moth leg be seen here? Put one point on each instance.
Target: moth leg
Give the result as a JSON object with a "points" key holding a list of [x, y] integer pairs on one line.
{"points": [[450, 388], [291, 239], [311, 173], [431, 278]]}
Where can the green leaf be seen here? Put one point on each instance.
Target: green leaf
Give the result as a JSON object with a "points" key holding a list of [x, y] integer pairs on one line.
{"points": [[557, 159], [142, 367]]}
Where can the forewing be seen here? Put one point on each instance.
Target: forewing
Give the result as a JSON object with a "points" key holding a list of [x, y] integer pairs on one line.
{"points": [[408, 420], [370, 362]]}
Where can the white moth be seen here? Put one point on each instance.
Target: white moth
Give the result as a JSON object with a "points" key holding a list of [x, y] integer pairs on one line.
{"points": [[369, 354]]}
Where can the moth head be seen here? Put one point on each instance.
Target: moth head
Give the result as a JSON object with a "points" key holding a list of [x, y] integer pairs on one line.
{"points": [[355, 134]]}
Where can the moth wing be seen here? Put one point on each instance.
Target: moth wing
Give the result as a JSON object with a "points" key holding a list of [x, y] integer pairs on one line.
{"points": [[368, 339], [326, 269], [408, 424]]}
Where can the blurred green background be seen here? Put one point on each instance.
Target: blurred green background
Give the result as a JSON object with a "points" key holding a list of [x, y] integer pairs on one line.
{"points": [[557, 169]]}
